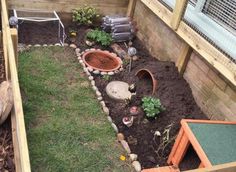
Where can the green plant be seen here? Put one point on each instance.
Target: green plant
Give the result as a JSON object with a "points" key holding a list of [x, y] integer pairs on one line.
{"points": [[85, 15], [152, 106], [100, 37], [106, 77]]}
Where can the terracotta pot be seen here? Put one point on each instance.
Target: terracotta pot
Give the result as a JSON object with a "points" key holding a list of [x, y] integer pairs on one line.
{"points": [[145, 74], [128, 121], [102, 60]]}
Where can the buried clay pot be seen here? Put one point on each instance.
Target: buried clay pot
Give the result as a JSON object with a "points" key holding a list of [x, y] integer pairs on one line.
{"points": [[134, 110], [128, 121], [103, 61], [147, 76]]}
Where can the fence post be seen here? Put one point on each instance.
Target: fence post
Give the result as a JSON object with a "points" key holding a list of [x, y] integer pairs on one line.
{"points": [[131, 8], [178, 13]]}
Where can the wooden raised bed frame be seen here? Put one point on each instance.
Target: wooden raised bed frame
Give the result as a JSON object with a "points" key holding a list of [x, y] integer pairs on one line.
{"points": [[10, 42]]}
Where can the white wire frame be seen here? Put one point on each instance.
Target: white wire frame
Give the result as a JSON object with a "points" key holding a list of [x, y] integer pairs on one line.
{"points": [[39, 19]]}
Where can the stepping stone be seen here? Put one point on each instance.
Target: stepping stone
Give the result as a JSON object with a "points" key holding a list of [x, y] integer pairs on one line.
{"points": [[118, 90]]}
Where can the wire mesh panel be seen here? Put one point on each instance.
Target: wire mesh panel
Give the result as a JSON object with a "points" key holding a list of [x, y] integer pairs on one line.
{"points": [[223, 12], [215, 21]]}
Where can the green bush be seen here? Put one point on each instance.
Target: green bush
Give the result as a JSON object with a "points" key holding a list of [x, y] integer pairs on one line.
{"points": [[152, 106], [100, 37], [85, 15]]}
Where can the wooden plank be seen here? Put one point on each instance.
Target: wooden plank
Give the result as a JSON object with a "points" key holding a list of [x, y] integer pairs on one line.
{"points": [[184, 57], [160, 10], [14, 36], [210, 53], [180, 6], [131, 8], [229, 167], [15, 141], [20, 124], [106, 7]]}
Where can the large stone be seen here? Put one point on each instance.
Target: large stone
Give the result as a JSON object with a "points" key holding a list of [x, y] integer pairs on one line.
{"points": [[73, 46], [118, 90], [6, 100], [120, 137], [96, 72], [114, 127], [137, 166]]}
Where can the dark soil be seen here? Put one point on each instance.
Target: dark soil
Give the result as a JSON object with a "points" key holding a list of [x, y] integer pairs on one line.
{"points": [[6, 145], [173, 91]]}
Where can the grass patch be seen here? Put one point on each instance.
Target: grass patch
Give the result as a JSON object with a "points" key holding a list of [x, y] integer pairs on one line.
{"points": [[66, 128]]}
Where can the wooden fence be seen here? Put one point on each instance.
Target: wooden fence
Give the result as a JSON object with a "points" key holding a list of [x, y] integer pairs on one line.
{"points": [[9, 36]]}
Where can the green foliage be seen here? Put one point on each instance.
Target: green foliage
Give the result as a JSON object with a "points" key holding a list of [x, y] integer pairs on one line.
{"points": [[100, 37], [85, 15], [106, 77], [152, 106]]}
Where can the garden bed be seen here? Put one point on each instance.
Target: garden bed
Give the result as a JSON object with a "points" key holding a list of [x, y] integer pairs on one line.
{"points": [[173, 91]]}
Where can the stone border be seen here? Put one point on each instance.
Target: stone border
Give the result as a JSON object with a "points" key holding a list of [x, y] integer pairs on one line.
{"points": [[120, 137]]}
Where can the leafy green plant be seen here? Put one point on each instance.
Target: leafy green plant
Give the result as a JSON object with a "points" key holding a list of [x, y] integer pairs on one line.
{"points": [[152, 106], [106, 77], [85, 15], [100, 37]]}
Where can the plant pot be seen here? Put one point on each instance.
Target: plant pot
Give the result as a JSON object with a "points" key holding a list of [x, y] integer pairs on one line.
{"points": [[146, 75], [128, 121]]}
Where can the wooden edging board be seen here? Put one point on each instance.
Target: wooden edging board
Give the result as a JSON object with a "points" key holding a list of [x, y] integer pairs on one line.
{"points": [[18, 128], [210, 53]]}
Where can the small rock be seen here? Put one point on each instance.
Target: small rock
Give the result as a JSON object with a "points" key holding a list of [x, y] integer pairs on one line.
{"points": [[116, 71], [130, 43], [73, 46], [50, 45], [157, 133], [29, 45], [83, 65], [133, 157], [93, 83], [89, 43], [135, 58], [96, 72], [120, 137], [79, 58], [109, 118], [90, 78], [77, 51], [81, 61], [103, 103], [111, 73], [66, 45], [103, 73], [58, 44], [95, 88], [85, 69], [37, 45], [87, 50], [106, 110], [90, 69], [137, 166], [100, 98], [125, 146], [121, 69], [88, 73], [114, 127], [45, 45], [98, 93], [92, 49]]}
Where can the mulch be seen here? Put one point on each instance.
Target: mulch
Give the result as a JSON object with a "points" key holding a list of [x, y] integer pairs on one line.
{"points": [[6, 144]]}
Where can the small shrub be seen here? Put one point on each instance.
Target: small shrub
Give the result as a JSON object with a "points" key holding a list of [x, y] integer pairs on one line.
{"points": [[152, 106], [85, 15], [100, 37]]}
